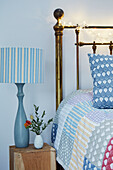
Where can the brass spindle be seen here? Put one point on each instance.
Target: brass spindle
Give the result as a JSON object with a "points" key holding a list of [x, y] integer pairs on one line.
{"points": [[110, 47], [77, 55], [94, 47]]}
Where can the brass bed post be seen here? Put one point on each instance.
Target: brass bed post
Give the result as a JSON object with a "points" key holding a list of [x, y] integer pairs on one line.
{"points": [[58, 14], [77, 55]]}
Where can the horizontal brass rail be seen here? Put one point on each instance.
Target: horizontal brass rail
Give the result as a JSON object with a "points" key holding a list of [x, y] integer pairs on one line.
{"points": [[89, 27], [94, 43]]}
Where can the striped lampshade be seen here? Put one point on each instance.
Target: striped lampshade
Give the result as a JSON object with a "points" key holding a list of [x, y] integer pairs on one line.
{"points": [[21, 65]]}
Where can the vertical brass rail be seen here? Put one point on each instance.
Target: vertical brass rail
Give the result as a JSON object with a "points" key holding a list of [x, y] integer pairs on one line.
{"points": [[77, 55], [58, 14]]}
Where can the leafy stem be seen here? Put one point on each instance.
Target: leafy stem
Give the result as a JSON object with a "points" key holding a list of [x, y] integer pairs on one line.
{"points": [[37, 124]]}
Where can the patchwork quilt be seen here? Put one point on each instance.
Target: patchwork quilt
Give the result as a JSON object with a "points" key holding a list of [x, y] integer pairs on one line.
{"points": [[83, 135]]}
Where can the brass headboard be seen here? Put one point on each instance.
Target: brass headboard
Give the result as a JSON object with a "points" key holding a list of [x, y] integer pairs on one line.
{"points": [[58, 14]]}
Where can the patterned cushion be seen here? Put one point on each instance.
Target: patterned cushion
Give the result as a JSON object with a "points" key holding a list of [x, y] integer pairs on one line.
{"points": [[101, 67]]}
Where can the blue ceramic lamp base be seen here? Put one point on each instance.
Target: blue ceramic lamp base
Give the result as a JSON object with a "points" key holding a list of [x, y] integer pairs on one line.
{"points": [[21, 134]]}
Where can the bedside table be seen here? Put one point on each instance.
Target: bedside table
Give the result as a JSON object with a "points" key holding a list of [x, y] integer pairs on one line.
{"points": [[32, 159]]}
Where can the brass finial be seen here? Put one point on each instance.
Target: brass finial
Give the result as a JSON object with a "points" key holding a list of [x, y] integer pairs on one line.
{"points": [[58, 14]]}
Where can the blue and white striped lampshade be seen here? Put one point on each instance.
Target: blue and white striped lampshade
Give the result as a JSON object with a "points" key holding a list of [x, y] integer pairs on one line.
{"points": [[21, 65]]}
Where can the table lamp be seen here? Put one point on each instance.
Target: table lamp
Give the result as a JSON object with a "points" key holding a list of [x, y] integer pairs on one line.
{"points": [[20, 66]]}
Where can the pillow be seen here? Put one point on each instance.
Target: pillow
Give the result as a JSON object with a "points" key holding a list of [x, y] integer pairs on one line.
{"points": [[101, 67]]}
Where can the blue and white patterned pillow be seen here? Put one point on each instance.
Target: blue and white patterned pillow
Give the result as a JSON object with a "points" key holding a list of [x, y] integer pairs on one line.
{"points": [[101, 67]]}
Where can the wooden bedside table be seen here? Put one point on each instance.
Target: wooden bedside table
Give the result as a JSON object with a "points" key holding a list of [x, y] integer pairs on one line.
{"points": [[32, 159]]}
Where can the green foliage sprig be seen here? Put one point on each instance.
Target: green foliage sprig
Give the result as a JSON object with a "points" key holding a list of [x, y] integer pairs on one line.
{"points": [[37, 124]]}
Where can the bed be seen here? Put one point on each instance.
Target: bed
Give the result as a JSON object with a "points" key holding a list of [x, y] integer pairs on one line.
{"points": [[82, 131]]}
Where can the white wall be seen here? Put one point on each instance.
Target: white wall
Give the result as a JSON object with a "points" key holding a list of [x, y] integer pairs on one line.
{"points": [[29, 23]]}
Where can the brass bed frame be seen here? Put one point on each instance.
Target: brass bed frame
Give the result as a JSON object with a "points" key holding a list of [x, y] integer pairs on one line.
{"points": [[58, 27], [58, 14]]}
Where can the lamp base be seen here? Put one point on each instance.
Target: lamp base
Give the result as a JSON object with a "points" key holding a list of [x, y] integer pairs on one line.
{"points": [[21, 134]]}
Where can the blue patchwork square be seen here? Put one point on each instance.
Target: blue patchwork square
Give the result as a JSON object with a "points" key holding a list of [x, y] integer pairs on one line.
{"points": [[101, 67]]}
